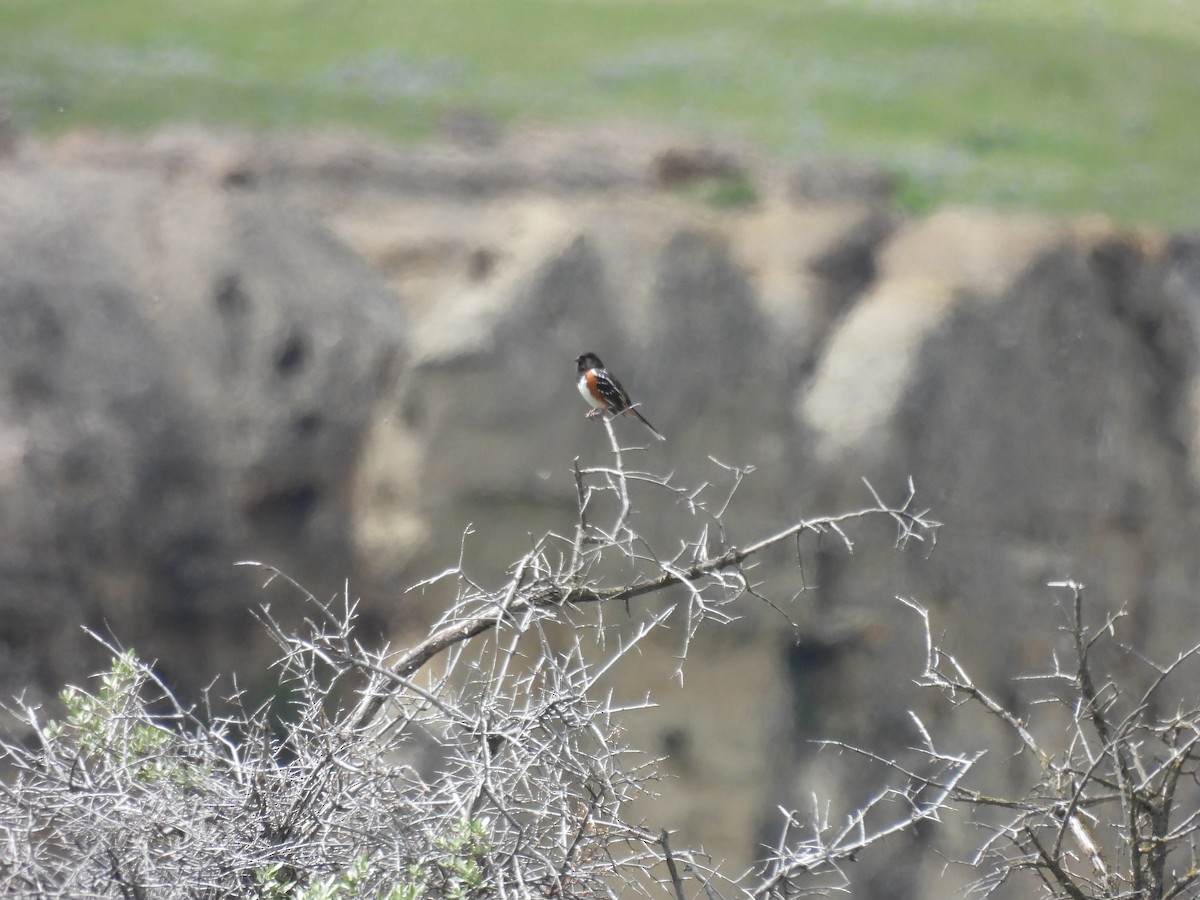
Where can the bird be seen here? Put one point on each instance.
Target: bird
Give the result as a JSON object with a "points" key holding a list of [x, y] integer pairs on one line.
{"points": [[601, 389]]}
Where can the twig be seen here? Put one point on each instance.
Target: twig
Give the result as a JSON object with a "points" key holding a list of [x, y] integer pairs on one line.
{"points": [[676, 882]]}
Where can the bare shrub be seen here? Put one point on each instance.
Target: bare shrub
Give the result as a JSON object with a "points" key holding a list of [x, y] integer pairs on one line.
{"points": [[488, 760], [1115, 809], [484, 761]]}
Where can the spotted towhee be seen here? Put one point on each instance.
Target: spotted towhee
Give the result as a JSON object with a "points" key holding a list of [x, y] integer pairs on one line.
{"points": [[601, 389]]}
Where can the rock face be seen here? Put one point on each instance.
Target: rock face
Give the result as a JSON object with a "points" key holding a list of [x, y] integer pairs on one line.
{"points": [[192, 375], [187, 379]]}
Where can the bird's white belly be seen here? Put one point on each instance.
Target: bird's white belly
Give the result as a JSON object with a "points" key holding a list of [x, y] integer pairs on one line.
{"points": [[587, 394]]}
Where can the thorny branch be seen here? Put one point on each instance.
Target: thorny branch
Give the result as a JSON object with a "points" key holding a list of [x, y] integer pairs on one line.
{"points": [[563, 586]]}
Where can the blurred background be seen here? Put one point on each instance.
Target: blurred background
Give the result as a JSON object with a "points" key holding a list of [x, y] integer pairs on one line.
{"points": [[302, 282], [1073, 107]]}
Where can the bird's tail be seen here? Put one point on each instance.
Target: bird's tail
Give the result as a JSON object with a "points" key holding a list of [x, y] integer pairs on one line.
{"points": [[644, 421]]}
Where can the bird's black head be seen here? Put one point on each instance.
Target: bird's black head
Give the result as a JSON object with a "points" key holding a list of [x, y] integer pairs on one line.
{"points": [[588, 361]]}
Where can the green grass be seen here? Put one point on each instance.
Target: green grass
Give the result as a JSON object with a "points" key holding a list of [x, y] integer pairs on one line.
{"points": [[1067, 107]]}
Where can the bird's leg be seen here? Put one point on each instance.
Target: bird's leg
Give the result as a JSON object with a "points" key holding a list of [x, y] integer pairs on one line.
{"points": [[595, 413]]}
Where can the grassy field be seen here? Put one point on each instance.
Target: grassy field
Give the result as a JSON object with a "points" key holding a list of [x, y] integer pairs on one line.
{"points": [[1068, 106]]}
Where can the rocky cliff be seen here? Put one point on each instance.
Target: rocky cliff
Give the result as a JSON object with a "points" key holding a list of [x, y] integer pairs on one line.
{"points": [[333, 356]]}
